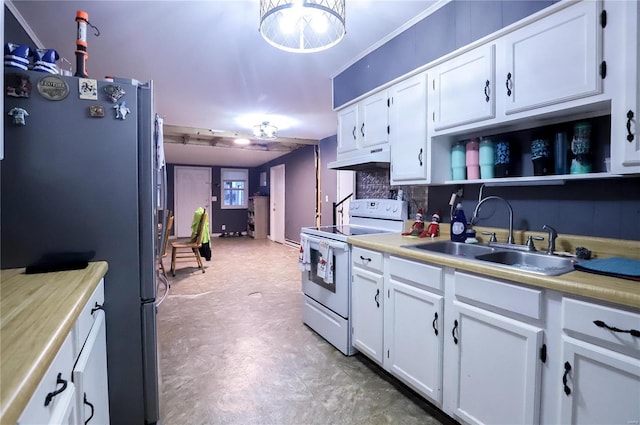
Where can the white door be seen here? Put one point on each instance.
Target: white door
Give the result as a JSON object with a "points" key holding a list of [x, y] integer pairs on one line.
{"points": [[366, 312], [497, 365], [347, 129], [192, 189], [600, 386], [374, 119], [414, 319], [277, 200]]}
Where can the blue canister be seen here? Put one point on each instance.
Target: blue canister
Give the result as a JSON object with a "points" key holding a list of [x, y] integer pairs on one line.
{"points": [[540, 153], [487, 158], [560, 150], [503, 159], [458, 161]]}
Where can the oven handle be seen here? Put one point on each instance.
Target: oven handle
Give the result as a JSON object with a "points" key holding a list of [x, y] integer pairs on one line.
{"points": [[333, 244]]}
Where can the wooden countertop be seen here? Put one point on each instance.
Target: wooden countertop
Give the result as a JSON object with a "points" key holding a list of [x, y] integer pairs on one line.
{"points": [[37, 312], [619, 291]]}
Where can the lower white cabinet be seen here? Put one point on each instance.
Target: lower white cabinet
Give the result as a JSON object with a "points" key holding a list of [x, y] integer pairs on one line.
{"points": [[600, 386], [497, 367], [90, 376], [367, 312], [414, 327]]}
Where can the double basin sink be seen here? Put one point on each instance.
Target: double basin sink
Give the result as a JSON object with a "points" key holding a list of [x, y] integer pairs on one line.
{"points": [[534, 262]]}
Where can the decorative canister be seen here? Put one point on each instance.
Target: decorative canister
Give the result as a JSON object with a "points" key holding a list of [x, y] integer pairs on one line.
{"points": [[503, 159], [540, 157], [487, 158], [458, 161], [472, 159], [581, 149], [560, 151]]}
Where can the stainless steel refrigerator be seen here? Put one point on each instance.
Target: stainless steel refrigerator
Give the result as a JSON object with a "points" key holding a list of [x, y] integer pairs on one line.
{"points": [[71, 182]]}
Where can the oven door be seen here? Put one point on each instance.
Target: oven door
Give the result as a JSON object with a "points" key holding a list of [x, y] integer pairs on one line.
{"points": [[334, 294]]}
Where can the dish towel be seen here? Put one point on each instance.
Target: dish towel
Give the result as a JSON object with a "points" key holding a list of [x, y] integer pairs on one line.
{"points": [[624, 268], [328, 276], [322, 261], [304, 258]]}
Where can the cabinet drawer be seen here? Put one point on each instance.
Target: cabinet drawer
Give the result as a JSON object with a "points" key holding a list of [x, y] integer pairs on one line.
{"points": [[367, 259], [85, 320], [420, 273], [579, 317], [502, 295], [36, 412]]}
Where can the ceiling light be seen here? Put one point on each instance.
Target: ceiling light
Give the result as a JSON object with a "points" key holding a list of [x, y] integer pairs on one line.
{"points": [[302, 26], [242, 141], [265, 130]]}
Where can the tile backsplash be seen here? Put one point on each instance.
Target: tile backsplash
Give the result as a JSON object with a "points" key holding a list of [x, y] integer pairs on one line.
{"points": [[374, 184]]}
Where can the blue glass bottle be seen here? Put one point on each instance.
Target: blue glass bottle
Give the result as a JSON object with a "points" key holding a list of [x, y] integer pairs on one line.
{"points": [[459, 225]]}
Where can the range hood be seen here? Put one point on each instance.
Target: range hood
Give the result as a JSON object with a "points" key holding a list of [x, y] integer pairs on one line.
{"points": [[362, 159]]}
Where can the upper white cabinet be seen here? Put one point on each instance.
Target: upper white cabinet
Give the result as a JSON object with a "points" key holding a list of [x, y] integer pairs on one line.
{"points": [[408, 130], [374, 119], [347, 126], [553, 60], [463, 89]]}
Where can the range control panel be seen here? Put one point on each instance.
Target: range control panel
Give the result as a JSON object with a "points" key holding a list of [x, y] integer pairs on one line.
{"points": [[387, 209]]}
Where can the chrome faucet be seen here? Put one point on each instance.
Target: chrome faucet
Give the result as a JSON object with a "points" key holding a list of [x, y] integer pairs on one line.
{"points": [[551, 238], [482, 201]]}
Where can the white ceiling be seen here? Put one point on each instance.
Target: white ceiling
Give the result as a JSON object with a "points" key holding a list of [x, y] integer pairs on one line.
{"points": [[210, 65]]}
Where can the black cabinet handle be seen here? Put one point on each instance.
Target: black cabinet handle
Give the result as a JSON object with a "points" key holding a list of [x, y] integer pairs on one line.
{"points": [[567, 369], [362, 130], [601, 324], [629, 134], [453, 332], [51, 395], [377, 297], [435, 319], [96, 308], [486, 91], [508, 84], [368, 260], [354, 132], [420, 157], [92, 409]]}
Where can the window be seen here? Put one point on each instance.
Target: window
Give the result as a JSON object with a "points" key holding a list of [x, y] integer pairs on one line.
{"points": [[235, 182]]}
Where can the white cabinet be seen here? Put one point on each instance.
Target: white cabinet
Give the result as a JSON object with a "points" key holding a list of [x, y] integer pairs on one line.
{"points": [[414, 322], [408, 130], [600, 364], [553, 60], [463, 89], [258, 217], [90, 376], [373, 113], [347, 126], [496, 334], [367, 303]]}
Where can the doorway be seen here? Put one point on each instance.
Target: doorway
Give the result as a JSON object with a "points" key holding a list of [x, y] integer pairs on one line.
{"points": [[276, 225], [346, 185], [192, 189]]}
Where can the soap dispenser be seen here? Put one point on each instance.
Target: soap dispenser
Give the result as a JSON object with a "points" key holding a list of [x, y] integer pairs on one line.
{"points": [[459, 225]]}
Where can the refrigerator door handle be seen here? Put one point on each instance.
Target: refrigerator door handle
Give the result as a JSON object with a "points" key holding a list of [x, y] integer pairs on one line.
{"points": [[150, 364]]}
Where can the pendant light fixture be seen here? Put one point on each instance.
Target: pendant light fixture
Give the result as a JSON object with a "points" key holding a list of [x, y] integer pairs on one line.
{"points": [[302, 26], [265, 130]]}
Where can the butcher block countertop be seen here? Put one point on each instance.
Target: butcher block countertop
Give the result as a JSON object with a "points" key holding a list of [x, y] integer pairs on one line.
{"points": [[37, 312], [619, 291]]}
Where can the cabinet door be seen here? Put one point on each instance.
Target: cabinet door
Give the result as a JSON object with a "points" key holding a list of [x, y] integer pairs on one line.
{"points": [[408, 129], [374, 119], [366, 313], [413, 338], [347, 131], [90, 376], [463, 89], [552, 60], [603, 386], [498, 368]]}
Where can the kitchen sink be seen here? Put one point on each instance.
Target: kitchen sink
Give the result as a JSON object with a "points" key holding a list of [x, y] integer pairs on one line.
{"points": [[530, 261], [533, 262], [457, 249]]}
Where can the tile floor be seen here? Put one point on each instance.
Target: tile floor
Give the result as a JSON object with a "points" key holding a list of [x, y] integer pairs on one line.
{"points": [[234, 350]]}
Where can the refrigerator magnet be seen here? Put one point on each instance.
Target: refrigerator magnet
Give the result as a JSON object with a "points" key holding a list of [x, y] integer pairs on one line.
{"points": [[114, 93], [121, 110], [96, 111], [53, 87], [88, 88], [17, 85], [19, 116]]}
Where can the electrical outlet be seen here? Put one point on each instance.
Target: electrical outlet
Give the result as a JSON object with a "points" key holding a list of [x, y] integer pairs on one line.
{"points": [[224, 227]]}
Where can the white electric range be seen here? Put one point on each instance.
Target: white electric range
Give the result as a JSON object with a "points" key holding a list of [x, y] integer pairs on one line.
{"points": [[327, 299]]}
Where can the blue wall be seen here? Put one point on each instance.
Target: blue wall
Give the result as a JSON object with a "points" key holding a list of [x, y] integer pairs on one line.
{"points": [[452, 26]]}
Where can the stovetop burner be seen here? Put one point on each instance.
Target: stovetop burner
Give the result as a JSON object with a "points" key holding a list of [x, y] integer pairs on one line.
{"points": [[348, 230]]}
